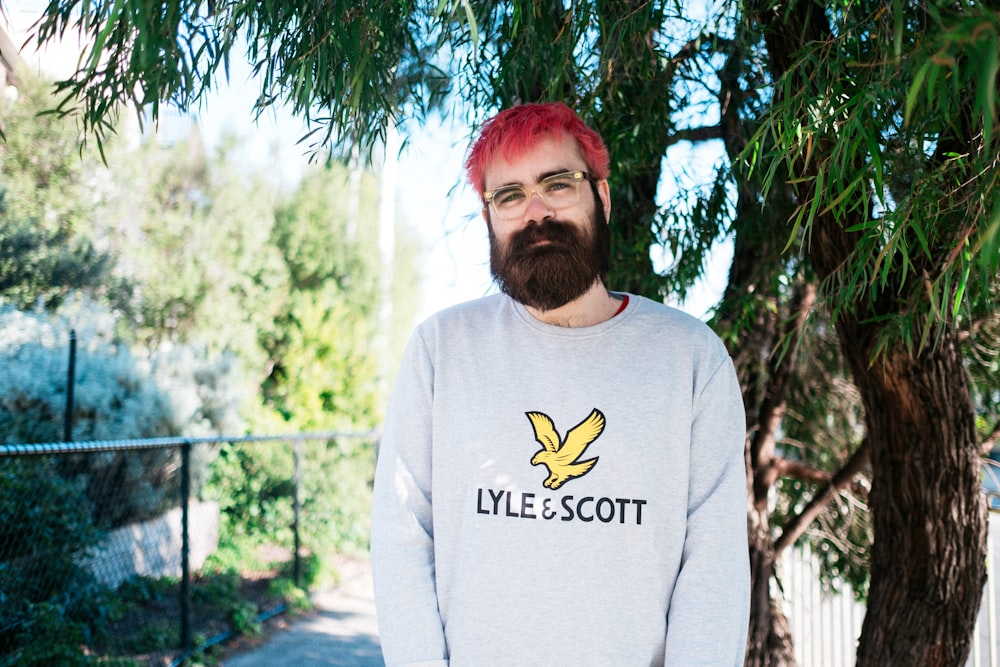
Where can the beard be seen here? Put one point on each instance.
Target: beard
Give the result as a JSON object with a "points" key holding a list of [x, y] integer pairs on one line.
{"points": [[551, 275]]}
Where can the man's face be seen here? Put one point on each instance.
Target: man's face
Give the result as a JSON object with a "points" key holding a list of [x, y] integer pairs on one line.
{"points": [[546, 258]]}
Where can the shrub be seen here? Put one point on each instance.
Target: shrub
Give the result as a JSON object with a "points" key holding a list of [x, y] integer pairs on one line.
{"points": [[48, 604]]}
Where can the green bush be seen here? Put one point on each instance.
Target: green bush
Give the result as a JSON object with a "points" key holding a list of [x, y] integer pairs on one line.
{"points": [[49, 605], [253, 485], [146, 589], [48, 637]]}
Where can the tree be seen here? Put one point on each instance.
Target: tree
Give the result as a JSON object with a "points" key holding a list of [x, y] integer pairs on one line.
{"points": [[325, 375], [857, 191], [45, 248], [195, 215], [899, 279]]}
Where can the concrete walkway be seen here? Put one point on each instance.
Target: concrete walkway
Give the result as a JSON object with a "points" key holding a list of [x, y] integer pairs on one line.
{"points": [[341, 632]]}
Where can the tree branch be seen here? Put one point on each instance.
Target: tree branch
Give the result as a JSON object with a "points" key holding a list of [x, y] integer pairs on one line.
{"points": [[991, 440], [772, 409], [694, 134], [692, 46], [798, 524], [799, 470]]}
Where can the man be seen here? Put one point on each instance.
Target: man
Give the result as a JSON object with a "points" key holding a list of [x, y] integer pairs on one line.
{"points": [[561, 477]]}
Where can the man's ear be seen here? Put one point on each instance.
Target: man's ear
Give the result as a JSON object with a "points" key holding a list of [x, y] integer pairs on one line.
{"points": [[604, 192], [485, 212]]}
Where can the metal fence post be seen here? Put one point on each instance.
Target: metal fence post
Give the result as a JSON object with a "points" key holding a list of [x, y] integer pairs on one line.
{"points": [[185, 591], [70, 381], [296, 509]]}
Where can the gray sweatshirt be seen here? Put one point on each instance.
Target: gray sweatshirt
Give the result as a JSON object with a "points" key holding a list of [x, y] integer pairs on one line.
{"points": [[562, 496]]}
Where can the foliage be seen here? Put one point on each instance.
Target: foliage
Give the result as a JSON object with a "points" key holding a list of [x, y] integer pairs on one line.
{"points": [[895, 124], [823, 427], [220, 589], [38, 263], [324, 375], [879, 183], [296, 598], [202, 220], [46, 177], [608, 57], [323, 378], [116, 396], [201, 298], [173, 51], [48, 603], [226, 598], [146, 589], [45, 249], [981, 352], [113, 397], [254, 486]]}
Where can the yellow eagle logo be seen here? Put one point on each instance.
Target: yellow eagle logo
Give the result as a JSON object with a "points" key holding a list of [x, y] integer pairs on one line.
{"points": [[560, 457]]}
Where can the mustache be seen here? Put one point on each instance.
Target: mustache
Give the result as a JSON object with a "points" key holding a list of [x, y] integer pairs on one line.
{"points": [[554, 231]]}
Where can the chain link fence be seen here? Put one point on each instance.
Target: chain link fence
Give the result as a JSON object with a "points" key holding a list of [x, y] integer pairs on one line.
{"points": [[148, 552]]}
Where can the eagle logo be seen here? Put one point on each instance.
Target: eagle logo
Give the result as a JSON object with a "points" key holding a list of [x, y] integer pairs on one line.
{"points": [[560, 457]]}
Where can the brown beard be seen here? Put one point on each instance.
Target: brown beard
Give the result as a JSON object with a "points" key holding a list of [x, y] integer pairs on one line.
{"points": [[549, 276]]}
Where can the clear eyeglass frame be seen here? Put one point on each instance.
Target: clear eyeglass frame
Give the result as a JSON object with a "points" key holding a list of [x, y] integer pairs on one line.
{"points": [[558, 191]]}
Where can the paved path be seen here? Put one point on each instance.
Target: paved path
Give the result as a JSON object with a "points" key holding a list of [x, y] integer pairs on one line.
{"points": [[341, 632]]}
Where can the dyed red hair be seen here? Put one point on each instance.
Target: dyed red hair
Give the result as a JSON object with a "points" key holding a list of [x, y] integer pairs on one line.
{"points": [[515, 130]]}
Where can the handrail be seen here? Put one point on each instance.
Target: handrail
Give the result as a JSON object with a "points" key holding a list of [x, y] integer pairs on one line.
{"points": [[171, 441]]}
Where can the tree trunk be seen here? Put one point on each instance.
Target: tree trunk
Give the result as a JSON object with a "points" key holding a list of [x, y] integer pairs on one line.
{"points": [[928, 558], [928, 510], [756, 259], [769, 642]]}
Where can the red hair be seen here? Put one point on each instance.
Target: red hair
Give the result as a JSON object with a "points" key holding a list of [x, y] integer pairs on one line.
{"points": [[517, 129]]}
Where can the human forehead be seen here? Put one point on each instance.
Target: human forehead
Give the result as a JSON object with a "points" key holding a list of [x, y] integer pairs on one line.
{"points": [[549, 154]]}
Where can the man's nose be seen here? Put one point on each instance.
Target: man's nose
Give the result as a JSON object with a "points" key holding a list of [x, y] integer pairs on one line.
{"points": [[538, 209]]}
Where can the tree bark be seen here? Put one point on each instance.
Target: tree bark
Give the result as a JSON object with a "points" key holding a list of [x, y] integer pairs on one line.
{"points": [[928, 558], [769, 641]]}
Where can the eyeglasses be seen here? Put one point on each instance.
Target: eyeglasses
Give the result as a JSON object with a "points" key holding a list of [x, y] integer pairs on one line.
{"points": [[557, 191]]}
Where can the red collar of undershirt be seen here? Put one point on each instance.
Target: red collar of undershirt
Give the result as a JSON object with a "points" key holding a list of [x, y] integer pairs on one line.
{"points": [[621, 307]]}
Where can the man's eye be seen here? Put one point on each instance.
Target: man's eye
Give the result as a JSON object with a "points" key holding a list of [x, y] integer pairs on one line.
{"points": [[507, 197], [558, 184]]}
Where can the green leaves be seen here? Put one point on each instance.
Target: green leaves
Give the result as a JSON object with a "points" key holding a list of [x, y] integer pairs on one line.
{"points": [[334, 64], [963, 52], [898, 149]]}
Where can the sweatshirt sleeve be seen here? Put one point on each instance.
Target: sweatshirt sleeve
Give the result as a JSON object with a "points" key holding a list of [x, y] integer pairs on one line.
{"points": [[709, 610], [402, 539]]}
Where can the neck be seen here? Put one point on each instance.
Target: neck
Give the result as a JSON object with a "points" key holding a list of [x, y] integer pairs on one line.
{"points": [[594, 306]]}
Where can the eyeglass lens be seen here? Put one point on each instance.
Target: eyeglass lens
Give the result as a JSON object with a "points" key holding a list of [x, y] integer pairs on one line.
{"points": [[558, 191]]}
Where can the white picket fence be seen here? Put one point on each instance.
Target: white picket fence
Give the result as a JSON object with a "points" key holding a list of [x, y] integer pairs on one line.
{"points": [[825, 627]]}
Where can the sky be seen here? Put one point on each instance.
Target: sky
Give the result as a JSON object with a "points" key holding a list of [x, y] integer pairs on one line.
{"points": [[431, 195]]}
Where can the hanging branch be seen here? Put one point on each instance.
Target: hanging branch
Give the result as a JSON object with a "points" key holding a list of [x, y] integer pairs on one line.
{"points": [[772, 409], [798, 524]]}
